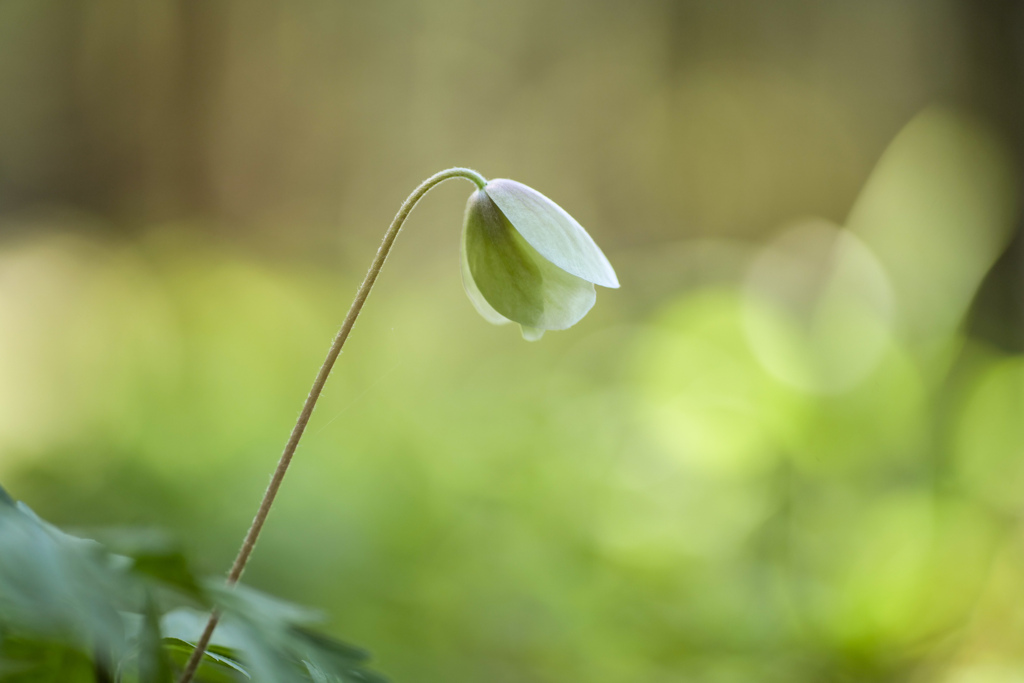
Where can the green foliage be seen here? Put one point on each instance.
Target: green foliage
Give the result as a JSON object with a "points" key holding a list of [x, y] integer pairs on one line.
{"points": [[71, 610]]}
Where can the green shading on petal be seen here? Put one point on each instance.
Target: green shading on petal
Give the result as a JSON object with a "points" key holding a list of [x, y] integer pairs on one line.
{"points": [[552, 231], [473, 292], [513, 278]]}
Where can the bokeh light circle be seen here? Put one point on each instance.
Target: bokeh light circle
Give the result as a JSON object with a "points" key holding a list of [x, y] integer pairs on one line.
{"points": [[819, 308]]}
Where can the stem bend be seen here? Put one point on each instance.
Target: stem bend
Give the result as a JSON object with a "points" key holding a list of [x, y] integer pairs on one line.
{"points": [[318, 384]]}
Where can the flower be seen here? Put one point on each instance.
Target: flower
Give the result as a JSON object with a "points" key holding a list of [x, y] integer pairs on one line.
{"points": [[525, 260]]}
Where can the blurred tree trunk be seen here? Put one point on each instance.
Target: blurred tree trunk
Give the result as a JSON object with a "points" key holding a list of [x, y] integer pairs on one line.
{"points": [[144, 80]]}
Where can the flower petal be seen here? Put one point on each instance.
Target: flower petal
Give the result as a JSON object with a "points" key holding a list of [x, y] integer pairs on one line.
{"points": [[513, 278], [473, 292], [531, 333], [552, 231]]}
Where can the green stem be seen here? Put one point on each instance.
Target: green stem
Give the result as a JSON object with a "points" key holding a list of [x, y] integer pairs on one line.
{"points": [[318, 384]]}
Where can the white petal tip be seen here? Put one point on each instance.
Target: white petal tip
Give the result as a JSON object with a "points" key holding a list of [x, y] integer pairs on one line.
{"points": [[531, 333]]}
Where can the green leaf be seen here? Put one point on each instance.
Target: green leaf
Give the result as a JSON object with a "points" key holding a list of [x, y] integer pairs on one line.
{"points": [[155, 556], [33, 661], [331, 648], [551, 231], [153, 663], [187, 624], [317, 674], [54, 586], [70, 610], [251, 604], [217, 666], [320, 675], [272, 638], [514, 278]]}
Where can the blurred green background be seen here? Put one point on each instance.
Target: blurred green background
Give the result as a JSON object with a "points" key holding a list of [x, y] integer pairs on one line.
{"points": [[790, 448]]}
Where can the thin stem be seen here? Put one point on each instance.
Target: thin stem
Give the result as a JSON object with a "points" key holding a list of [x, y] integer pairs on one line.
{"points": [[318, 384]]}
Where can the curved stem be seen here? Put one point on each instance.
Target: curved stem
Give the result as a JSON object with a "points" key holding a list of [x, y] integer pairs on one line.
{"points": [[318, 384]]}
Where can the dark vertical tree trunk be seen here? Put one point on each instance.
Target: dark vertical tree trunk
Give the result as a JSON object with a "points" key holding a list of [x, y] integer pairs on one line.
{"points": [[144, 83]]}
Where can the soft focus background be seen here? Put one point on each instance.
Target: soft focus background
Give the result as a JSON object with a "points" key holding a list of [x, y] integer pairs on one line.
{"points": [[790, 448]]}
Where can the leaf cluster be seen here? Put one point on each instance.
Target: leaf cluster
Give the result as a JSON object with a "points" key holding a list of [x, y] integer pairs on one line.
{"points": [[72, 610]]}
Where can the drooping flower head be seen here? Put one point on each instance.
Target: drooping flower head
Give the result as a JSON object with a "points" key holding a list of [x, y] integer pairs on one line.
{"points": [[525, 260]]}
